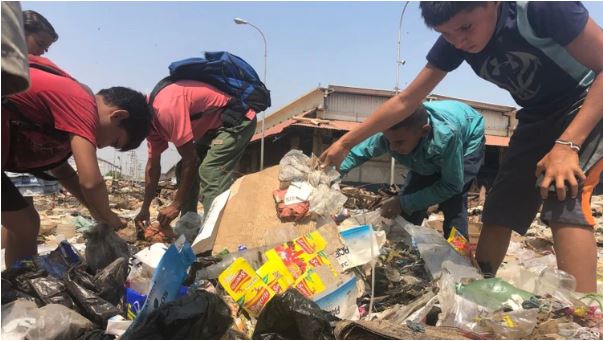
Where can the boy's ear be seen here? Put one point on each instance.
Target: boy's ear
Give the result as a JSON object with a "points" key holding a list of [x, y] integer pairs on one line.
{"points": [[118, 115], [425, 130]]}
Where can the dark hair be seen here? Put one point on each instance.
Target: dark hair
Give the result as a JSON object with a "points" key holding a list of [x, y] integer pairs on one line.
{"points": [[436, 13], [34, 22], [138, 123], [415, 121]]}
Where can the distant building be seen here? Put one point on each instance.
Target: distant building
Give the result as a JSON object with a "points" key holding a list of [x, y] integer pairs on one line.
{"points": [[315, 120]]}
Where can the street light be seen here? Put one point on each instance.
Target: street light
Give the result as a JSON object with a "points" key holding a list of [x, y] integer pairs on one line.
{"points": [[240, 21], [399, 62]]}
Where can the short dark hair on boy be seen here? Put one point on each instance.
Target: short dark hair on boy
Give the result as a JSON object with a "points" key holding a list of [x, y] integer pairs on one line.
{"points": [[415, 121], [436, 13], [138, 123], [35, 22]]}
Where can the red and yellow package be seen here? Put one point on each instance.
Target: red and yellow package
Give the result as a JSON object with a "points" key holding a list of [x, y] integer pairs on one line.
{"points": [[275, 275], [298, 254], [245, 287], [255, 298], [310, 284], [458, 242]]}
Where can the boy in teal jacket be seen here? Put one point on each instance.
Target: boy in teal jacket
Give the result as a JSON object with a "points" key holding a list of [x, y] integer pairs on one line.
{"points": [[442, 143]]}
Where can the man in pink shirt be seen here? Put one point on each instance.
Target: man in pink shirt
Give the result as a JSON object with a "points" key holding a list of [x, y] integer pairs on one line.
{"points": [[210, 133]]}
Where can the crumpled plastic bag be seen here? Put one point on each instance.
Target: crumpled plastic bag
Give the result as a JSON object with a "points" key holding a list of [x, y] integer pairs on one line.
{"points": [[51, 291], [23, 319], [292, 316], [103, 246], [294, 166], [189, 225], [57, 322], [110, 281], [18, 317], [197, 316], [91, 305], [326, 201]]}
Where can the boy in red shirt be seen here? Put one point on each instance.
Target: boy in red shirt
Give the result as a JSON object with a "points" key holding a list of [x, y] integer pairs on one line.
{"points": [[210, 134], [43, 126]]}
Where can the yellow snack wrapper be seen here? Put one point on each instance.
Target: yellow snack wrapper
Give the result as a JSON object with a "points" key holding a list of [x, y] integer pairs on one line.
{"points": [[458, 242], [310, 284], [245, 287], [275, 275]]}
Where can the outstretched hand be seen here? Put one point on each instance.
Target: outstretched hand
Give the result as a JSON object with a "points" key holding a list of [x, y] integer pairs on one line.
{"points": [[560, 166], [334, 155]]}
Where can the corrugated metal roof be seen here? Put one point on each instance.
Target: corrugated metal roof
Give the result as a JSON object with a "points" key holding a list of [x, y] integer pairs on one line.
{"points": [[491, 140]]}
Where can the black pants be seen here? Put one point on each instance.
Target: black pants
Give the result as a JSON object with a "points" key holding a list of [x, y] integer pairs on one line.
{"points": [[454, 208]]}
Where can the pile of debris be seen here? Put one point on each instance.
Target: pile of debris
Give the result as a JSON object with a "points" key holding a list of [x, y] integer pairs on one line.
{"points": [[287, 253]]}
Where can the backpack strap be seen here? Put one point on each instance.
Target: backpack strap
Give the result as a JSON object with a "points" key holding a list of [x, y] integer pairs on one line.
{"points": [[158, 87], [46, 68]]}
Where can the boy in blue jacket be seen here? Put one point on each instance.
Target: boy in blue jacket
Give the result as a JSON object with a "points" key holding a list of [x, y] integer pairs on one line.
{"points": [[549, 56], [442, 143]]}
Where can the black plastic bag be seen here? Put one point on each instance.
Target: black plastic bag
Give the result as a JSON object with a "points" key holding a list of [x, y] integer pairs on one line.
{"points": [[291, 316], [10, 294], [91, 306], [96, 334], [51, 290], [110, 281], [199, 315], [103, 246]]}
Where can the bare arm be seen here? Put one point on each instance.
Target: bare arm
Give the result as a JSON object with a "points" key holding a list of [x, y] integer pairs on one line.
{"points": [[69, 179], [91, 182], [189, 164], [391, 112], [561, 163], [151, 179]]}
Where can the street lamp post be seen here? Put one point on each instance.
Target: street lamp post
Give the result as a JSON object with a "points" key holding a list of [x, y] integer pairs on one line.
{"points": [[240, 21], [399, 62]]}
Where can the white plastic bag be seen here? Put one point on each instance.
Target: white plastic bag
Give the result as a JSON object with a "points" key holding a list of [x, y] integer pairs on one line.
{"points": [[189, 225], [294, 166]]}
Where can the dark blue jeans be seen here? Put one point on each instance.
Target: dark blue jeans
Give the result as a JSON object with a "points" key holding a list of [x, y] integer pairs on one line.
{"points": [[454, 208]]}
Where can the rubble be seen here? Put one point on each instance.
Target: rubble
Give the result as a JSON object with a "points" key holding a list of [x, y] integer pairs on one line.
{"points": [[335, 269]]}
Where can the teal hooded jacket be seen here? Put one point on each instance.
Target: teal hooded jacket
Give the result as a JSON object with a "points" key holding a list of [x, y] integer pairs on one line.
{"points": [[457, 130]]}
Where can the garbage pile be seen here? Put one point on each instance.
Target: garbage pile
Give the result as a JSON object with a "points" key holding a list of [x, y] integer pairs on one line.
{"points": [[327, 266]]}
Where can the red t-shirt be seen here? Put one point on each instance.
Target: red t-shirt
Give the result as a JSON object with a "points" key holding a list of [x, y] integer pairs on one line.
{"points": [[173, 106], [51, 101]]}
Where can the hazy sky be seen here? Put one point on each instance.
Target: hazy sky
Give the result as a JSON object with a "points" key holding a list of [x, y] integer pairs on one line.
{"points": [[131, 44]]}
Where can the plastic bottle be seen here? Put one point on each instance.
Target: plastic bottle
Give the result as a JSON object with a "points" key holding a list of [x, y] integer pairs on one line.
{"points": [[214, 270], [252, 256]]}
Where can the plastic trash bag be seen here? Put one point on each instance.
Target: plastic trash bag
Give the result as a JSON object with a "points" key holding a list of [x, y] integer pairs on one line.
{"points": [[10, 294], [294, 166], [189, 225], [96, 334], [292, 316], [110, 280], [91, 305], [52, 291], [59, 261], [200, 315], [18, 317], [325, 201], [57, 322], [103, 246]]}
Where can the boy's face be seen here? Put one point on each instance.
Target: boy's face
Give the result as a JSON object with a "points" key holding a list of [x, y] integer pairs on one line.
{"points": [[471, 30], [405, 140], [109, 132], [38, 42]]}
